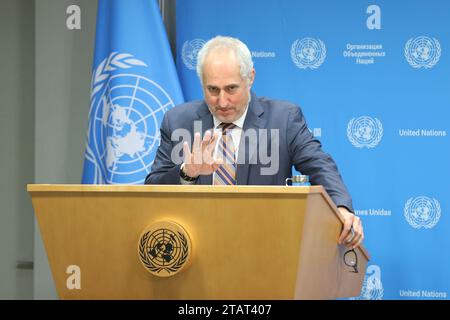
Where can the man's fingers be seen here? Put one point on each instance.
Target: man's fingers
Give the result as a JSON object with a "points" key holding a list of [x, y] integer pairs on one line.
{"points": [[214, 139], [356, 241], [203, 152], [207, 137], [212, 145], [356, 235], [215, 166], [346, 232], [359, 234], [197, 143], [350, 238], [218, 162], [359, 242], [208, 149], [186, 153], [196, 149], [206, 140]]}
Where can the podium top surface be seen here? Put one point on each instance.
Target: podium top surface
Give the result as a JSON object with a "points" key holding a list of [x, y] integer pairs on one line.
{"points": [[172, 188]]}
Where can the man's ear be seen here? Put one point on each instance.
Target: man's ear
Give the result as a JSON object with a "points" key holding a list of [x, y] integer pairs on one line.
{"points": [[252, 78]]}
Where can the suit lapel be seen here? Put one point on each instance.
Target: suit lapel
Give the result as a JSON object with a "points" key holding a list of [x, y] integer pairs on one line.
{"points": [[253, 121]]}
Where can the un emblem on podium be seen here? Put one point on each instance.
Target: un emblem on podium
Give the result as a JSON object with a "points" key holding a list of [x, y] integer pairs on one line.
{"points": [[164, 248]]}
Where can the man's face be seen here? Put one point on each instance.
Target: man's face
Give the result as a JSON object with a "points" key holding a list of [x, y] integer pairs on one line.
{"points": [[225, 92]]}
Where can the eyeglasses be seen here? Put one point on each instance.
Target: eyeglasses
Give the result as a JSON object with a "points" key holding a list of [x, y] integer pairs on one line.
{"points": [[351, 260]]}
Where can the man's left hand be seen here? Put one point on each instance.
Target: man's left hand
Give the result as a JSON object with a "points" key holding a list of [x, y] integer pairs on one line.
{"points": [[347, 237]]}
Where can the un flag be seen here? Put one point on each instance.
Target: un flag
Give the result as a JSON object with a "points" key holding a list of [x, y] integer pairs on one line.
{"points": [[134, 82]]}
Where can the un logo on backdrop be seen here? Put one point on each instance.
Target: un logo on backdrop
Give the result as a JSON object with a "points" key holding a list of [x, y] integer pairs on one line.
{"points": [[422, 52], [364, 132], [127, 109], [422, 212], [308, 53], [190, 51]]}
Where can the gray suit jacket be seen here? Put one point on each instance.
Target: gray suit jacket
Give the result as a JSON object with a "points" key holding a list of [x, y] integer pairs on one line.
{"points": [[296, 147]]}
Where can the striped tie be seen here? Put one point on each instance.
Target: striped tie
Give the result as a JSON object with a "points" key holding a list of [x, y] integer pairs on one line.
{"points": [[226, 174]]}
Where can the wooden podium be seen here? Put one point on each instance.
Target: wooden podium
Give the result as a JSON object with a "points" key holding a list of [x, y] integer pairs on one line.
{"points": [[247, 242]]}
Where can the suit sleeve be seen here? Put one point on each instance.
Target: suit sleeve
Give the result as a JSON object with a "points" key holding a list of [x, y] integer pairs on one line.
{"points": [[308, 157], [164, 171]]}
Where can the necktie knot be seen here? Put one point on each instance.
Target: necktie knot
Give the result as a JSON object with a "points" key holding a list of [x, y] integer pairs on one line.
{"points": [[226, 127]]}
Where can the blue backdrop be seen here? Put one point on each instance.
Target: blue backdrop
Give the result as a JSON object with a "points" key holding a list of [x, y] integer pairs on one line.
{"points": [[372, 78]]}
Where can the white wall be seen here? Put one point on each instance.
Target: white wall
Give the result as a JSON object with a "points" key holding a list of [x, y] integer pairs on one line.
{"points": [[16, 146], [63, 73]]}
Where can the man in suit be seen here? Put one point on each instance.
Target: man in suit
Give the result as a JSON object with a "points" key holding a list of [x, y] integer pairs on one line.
{"points": [[241, 139]]}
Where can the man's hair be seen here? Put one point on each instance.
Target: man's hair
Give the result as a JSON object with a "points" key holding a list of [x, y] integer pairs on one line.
{"points": [[240, 50]]}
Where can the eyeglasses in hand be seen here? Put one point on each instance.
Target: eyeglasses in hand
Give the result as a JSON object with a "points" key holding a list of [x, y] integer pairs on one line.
{"points": [[351, 260]]}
